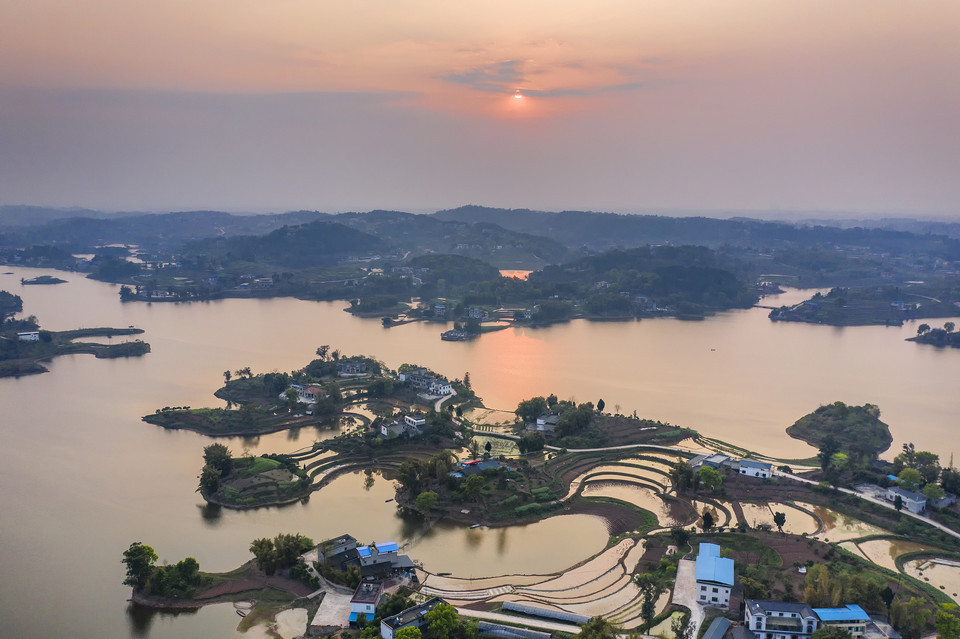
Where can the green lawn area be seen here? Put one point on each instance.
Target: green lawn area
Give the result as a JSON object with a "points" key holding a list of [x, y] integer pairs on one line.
{"points": [[261, 465]]}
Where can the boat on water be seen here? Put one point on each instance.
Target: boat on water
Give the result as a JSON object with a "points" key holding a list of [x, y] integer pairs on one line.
{"points": [[455, 336], [476, 526], [387, 501], [241, 613]]}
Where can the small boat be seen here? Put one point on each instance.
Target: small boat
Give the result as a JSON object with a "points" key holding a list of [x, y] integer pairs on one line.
{"points": [[475, 526], [387, 501], [443, 574], [241, 613]]}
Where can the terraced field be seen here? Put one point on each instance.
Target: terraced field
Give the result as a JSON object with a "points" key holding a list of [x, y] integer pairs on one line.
{"points": [[601, 586]]}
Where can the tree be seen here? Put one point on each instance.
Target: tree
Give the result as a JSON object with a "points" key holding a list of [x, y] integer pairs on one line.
{"points": [[680, 536], [409, 632], [322, 352], [650, 588], [209, 480], [933, 492], [265, 554], [598, 628], [709, 478], [442, 621], [707, 521], [829, 446], [528, 410], [139, 559], [923, 328], [946, 621], [779, 519], [910, 478], [831, 632], [472, 487], [293, 398], [466, 380], [531, 441], [909, 617], [948, 327], [887, 596], [219, 457], [226, 377], [474, 448], [681, 627], [600, 405], [426, 501], [898, 503], [683, 476]]}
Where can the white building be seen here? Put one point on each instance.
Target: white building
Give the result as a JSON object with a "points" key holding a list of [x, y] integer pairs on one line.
{"points": [[914, 502], [415, 420], [365, 600], [29, 336], [752, 468], [547, 423], [779, 620], [413, 617]]}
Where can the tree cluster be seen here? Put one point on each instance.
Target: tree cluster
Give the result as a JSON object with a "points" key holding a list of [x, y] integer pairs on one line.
{"points": [[279, 553], [178, 581]]}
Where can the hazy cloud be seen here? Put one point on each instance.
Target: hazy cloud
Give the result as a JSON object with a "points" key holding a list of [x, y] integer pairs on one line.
{"points": [[497, 77], [508, 76]]}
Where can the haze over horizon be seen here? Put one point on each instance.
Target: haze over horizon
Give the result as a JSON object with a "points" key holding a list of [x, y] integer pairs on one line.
{"points": [[627, 106]]}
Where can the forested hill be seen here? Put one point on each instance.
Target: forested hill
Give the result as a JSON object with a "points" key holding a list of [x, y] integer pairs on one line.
{"points": [[161, 230], [691, 274], [293, 246], [600, 231], [478, 238]]}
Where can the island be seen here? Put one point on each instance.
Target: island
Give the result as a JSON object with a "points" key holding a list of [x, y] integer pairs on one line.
{"points": [[865, 306], [24, 346], [42, 279], [937, 336], [850, 430]]}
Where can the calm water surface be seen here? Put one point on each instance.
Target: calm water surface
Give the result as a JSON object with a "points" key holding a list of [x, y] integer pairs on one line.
{"points": [[83, 477]]}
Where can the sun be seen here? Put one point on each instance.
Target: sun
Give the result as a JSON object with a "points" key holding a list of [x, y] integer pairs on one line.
{"points": [[518, 95]]}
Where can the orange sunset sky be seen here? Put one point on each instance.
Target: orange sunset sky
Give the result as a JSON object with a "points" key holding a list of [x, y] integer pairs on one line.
{"points": [[251, 105]]}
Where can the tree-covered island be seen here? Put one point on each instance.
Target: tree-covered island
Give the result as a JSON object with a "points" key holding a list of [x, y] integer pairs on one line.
{"points": [[883, 305], [945, 336]]}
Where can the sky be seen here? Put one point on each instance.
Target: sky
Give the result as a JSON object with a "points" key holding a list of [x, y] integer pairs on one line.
{"points": [[614, 105]]}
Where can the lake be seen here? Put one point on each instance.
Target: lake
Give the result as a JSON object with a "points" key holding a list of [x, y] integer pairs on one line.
{"points": [[83, 477]]}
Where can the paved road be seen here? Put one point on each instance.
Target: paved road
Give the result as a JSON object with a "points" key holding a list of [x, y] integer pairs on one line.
{"points": [[439, 403], [776, 473], [872, 499], [685, 593], [525, 621]]}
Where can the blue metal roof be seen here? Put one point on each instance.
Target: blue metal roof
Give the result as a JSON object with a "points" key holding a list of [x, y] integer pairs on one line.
{"points": [[363, 551], [851, 612], [715, 569], [749, 463], [388, 546], [709, 550]]}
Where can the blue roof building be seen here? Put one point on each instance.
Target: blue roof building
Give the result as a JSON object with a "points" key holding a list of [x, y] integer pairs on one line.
{"points": [[851, 617], [714, 576], [387, 546]]}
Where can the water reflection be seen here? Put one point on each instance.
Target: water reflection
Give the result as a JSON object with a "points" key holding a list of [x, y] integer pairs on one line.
{"points": [[212, 514], [140, 618]]}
